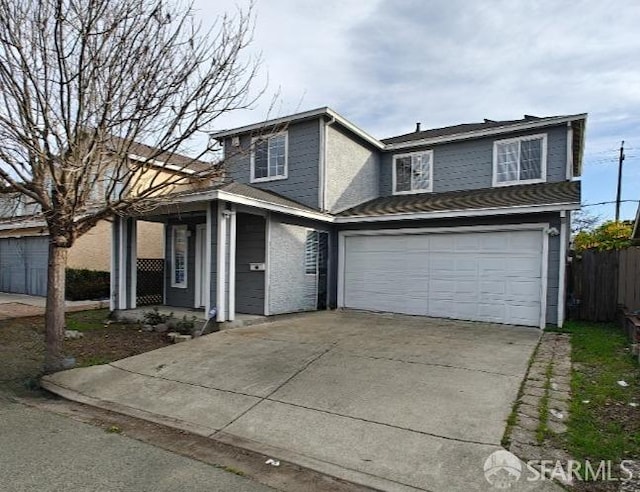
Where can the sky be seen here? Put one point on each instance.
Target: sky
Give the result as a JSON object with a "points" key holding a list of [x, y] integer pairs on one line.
{"points": [[387, 64]]}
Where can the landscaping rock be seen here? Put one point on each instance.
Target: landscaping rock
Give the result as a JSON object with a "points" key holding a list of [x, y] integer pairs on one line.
{"points": [[161, 328], [72, 334], [181, 338], [147, 328], [172, 324], [171, 336]]}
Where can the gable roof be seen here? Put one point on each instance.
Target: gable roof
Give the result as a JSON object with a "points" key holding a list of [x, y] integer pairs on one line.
{"points": [[465, 131], [277, 124], [531, 195]]}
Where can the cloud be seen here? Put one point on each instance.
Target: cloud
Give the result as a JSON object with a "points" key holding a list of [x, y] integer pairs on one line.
{"points": [[387, 64]]}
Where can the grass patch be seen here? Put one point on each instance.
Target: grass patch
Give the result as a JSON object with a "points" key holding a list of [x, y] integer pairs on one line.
{"points": [[513, 416], [542, 432], [86, 320], [95, 360], [607, 427]]}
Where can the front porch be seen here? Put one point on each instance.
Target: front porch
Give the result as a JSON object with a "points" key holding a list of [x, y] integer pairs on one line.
{"points": [[137, 315], [213, 267]]}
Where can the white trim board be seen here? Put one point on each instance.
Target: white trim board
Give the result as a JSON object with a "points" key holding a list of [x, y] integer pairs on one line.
{"points": [[324, 217], [444, 214], [562, 281], [221, 270], [232, 263], [543, 227]]}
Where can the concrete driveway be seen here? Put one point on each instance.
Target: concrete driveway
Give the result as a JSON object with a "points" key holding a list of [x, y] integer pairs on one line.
{"points": [[391, 402]]}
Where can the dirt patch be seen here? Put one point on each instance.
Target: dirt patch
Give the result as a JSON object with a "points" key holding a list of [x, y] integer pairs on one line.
{"points": [[9, 310], [22, 347]]}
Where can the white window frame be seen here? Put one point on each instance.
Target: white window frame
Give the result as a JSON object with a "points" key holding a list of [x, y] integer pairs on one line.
{"points": [[412, 191], [315, 252], [174, 230], [286, 157], [543, 160]]}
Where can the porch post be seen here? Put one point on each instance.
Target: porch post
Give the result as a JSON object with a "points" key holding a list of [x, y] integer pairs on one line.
{"points": [[221, 270], [114, 269], [132, 244], [207, 266], [232, 264]]}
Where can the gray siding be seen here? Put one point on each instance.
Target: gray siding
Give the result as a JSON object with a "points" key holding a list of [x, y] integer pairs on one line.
{"points": [[23, 265], [352, 171], [553, 270], [468, 165], [250, 248], [303, 156]]}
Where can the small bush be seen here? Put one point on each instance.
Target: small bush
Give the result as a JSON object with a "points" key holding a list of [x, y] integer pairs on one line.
{"points": [[154, 317], [185, 326], [84, 285]]}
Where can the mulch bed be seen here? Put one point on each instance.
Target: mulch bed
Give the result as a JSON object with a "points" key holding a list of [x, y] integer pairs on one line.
{"points": [[22, 348]]}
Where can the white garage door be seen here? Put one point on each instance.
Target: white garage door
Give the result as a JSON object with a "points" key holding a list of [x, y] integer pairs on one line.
{"points": [[480, 276]]}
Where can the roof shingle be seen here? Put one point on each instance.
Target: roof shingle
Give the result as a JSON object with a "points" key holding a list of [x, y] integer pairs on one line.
{"points": [[506, 196]]}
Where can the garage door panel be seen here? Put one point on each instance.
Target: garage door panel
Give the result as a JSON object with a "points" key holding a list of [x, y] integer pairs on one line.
{"points": [[485, 276]]}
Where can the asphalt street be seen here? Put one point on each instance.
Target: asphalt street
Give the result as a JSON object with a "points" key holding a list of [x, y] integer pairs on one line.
{"points": [[42, 451]]}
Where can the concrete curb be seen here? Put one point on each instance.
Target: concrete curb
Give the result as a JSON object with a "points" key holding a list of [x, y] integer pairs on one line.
{"points": [[332, 470]]}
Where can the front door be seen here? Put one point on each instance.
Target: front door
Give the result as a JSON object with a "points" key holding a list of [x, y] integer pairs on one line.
{"points": [[201, 290]]}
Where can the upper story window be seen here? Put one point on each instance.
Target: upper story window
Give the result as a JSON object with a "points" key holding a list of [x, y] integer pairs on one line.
{"points": [[413, 173], [520, 160], [269, 158]]}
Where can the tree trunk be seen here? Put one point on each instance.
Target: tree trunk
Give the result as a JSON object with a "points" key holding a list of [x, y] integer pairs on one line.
{"points": [[54, 313]]}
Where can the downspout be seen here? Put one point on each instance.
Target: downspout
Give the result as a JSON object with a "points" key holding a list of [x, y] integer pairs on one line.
{"points": [[563, 268]]}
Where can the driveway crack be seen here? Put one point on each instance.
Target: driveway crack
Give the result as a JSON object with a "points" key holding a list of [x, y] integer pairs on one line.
{"points": [[267, 397]]}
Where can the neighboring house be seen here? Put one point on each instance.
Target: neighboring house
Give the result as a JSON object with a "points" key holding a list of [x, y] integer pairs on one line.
{"points": [[24, 240], [468, 222]]}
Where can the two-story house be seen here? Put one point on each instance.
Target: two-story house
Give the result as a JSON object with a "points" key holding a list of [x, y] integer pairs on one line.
{"points": [[468, 222]]}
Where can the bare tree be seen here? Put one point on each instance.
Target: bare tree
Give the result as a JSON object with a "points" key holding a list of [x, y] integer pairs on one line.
{"points": [[81, 83], [583, 220]]}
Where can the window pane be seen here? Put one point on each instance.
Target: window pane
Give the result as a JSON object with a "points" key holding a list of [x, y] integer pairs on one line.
{"points": [[507, 162], [260, 157], [276, 155], [403, 173], [421, 170], [531, 159]]}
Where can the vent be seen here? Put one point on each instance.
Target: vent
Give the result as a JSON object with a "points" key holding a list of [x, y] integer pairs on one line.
{"points": [[235, 141]]}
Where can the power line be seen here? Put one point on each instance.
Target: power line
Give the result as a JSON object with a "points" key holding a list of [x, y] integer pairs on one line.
{"points": [[608, 203]]}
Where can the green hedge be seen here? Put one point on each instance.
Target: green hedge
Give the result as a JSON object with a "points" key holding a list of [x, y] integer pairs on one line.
{"points": [[87, 285]]}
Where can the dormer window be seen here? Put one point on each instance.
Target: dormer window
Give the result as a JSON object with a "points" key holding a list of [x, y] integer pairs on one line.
{"points": [[413, 173], [269, 158], [520, 160]]}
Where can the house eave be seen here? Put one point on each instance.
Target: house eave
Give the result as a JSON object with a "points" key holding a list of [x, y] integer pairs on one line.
{"points": [[498, 130], [253, 202], [446, 214]]}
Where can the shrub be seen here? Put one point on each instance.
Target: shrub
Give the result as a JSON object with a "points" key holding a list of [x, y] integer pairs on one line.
{"points": [[87, 285], [154, 317]]}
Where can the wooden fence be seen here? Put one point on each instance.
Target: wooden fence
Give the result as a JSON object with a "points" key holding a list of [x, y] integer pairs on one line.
{"points": [[601, 282]]}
